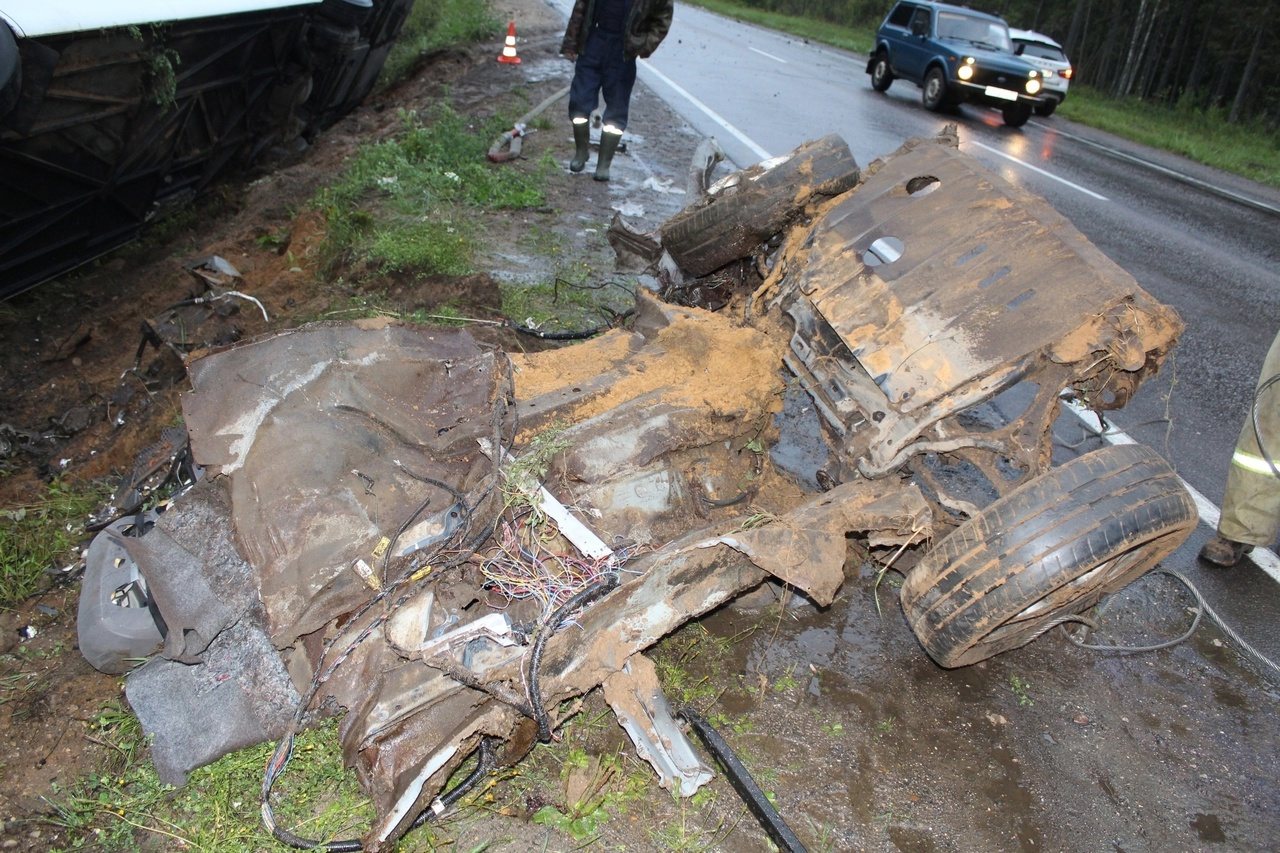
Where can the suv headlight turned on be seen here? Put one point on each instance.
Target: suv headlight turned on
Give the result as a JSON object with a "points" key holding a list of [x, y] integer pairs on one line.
{"points": [[1047, 55], [955, 55]]}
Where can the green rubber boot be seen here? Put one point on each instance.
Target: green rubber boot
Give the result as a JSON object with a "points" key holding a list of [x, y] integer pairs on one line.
{"points": [[581, 145], [608, 145]]}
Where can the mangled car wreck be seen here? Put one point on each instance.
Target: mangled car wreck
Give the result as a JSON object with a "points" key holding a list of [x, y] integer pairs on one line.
{"points": [[441, 542]]}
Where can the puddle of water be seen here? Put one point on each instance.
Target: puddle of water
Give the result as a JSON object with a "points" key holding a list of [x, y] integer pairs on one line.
{"points": [[1209, 828]]}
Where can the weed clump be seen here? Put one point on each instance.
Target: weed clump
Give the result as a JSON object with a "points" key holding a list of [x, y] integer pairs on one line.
{"points": [[35, 536], [406, 204]]}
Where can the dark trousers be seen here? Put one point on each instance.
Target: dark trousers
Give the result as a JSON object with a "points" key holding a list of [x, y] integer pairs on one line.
{"points": [[602, 68]]}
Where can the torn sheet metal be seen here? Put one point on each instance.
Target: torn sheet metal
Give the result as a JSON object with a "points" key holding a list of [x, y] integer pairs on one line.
{"points": [[808, 550], [637, 699], [685, 579], [933, 273], [339, 430]]}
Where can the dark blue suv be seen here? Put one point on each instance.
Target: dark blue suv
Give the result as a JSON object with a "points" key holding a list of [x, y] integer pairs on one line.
{"points": [[954, 54]]}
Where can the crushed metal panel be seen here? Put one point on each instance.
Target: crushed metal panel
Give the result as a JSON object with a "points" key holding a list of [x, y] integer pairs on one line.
{"points": [[807, 549], [327, 439], [981, 275]]}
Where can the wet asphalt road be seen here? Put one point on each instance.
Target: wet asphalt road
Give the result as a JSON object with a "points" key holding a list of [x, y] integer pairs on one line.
{"points": [[1204, 242]]}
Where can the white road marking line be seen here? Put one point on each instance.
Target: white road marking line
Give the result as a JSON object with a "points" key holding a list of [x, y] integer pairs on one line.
{"points": [[770, 55], [1037, 169], [1173, 173], [710, 113], [1263, 558]]}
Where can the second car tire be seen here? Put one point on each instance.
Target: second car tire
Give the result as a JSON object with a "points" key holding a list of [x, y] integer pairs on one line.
{"points": [[881, 73], [934, 92], [1052, 547], [1016, 114]]}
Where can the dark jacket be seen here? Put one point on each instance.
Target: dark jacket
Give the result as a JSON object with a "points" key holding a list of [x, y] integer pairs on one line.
{"points": [[647, 25]]}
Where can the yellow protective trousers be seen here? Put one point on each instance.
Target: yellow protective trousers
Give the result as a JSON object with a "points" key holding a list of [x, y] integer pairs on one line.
{"points": [[1251, 505]]}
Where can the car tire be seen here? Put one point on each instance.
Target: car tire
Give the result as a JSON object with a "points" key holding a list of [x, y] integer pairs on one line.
{"points": [[881, 73], [934, 94], [1046, 109], [1016, 114], [719, 229], [1051, 548]]}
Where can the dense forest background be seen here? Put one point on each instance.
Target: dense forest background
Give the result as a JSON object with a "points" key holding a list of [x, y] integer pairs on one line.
{"points": [[1191, 54]]}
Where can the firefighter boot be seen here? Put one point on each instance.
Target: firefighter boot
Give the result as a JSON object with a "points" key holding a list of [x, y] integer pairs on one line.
{"points": [[581, 145], [1224, 552], [608, 145]]}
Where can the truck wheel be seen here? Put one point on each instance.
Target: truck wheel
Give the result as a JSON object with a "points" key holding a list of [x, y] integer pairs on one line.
{"points": [[881, 73], [934, 95], [721, 228], [1016, 114], [1046, 109], [1052, 547]]}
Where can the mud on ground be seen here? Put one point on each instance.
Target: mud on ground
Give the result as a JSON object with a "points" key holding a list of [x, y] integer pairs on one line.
{"points": [[860, 739]]}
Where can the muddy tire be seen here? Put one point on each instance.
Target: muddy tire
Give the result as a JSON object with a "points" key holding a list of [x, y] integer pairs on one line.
{"points": [[1052, 547], [934, 94], [1016, 115], [719, 229], [881, 73]]}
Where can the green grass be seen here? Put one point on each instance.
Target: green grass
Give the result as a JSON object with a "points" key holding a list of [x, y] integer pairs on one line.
{"points": [[1249, 150], [437, 247], [124, 805], [436, 24], [564, 305], [593, 790], [1021, 690], [404, 204], [41, 535], [1198, 134], [857, 39]]}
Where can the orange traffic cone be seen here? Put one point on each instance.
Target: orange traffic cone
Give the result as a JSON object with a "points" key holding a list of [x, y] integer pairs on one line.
{"points": [[508, 54]]}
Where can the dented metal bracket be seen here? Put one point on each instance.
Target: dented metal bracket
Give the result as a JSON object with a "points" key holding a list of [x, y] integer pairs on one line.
{"points": [[636, 697]]}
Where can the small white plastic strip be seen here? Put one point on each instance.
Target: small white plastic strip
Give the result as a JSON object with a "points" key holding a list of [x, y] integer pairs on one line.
{"points": [[575, 531]]}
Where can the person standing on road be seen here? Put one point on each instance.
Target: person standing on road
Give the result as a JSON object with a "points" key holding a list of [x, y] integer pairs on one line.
{"points": [[1251, 504], [603, 39]]}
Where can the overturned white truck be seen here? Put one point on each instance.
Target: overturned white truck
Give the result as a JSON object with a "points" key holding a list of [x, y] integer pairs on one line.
{"points": [[113, 114], [382, 529]]}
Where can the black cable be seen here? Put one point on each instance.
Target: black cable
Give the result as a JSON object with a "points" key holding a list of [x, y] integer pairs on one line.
{"points": [[560, 336], [484, 764], [742, 782], [579, 599]]}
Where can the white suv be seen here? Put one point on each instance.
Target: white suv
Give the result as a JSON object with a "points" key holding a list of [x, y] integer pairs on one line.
{"points": [[1046, 54]]}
